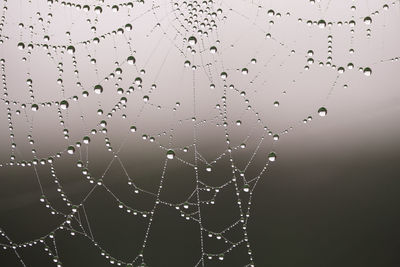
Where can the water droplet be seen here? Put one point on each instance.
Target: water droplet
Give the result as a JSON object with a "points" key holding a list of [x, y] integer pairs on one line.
{"points": [[271, 12], [64, 104], [115, 8], [321, 24], [138, 81], [170, 154], [246, 188], [98, 10], [367, 20], [34, 107], [98, 89], [192, 40], [71, 49], [131, 60], [71, 150], [272, 156], [86, 140], [21, 46], [128, 27], [322, 111], [367, 71]]}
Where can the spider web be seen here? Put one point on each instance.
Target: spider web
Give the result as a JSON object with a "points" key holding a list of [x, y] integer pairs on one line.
{"points": [[163, 105]]}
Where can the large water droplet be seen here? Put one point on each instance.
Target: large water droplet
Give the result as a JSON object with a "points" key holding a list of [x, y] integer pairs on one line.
{"points": [[34, 107], [322, 111], [86, 140], [170, 154], [192, 40], [367, 71], [367, 20], [98, 9], [64, 104], [21, 46], [321, 24], [131, 60], [71, 49], [272, 156], [98, 89], [71, 150]]}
